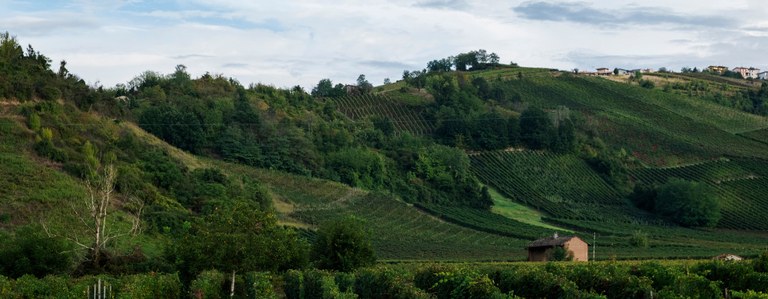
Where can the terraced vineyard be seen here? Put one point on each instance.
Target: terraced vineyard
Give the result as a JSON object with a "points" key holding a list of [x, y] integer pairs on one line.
{"points": [[658, 127], [757, 135], [486, 221], [405, 118], [400, 231], [740, 184], [563, 186]]}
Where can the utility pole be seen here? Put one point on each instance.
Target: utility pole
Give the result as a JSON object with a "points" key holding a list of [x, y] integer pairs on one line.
{"points": [[594, 244]]}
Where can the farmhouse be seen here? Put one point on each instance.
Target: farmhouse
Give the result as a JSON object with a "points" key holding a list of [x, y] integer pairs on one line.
{"points": [[539, 250], [763, 76], [747, 72], [604, 71]]}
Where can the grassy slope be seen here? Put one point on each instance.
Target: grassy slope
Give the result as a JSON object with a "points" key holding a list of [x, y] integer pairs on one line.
{"points": [[512, 210]]}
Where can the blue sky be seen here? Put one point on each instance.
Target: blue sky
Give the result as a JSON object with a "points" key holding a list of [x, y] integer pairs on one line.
{"points": [[300, 42]]}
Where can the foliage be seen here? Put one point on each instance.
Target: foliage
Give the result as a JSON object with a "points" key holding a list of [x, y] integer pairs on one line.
{"points": [[239, 238], [259, 285], [151, 285], [343, 245], [559, 253], [30, 252], [688, 203], [208, 284], [639, 239], [536, 129]]}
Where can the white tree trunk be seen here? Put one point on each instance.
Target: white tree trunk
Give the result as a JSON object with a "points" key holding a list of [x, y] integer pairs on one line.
{"points": [[232, 286]]}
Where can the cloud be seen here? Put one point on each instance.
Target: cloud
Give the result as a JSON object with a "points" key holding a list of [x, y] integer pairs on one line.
{"points": [[42, 24], [443, 4], [188, 56], [387, 64], [235, 65], [581, 12]]}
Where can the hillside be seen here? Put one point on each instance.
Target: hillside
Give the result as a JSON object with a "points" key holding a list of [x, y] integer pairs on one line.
{"points": [[440, 166]]}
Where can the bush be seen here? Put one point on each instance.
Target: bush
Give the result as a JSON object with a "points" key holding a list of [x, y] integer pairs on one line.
{"points": [[321, 284], [29, 251], [151, 285], [259, 285], [384, 282], [748, 295], [691, 286], [639, 239], [535, 283], [343, 245], [294, 284], [688, 203], [208, 284], [761, 263]]}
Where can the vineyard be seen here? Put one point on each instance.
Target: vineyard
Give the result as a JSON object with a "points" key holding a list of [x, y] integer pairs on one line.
{"points": [[659, 128], [740, 184], [405, 118], [563, 186], [486, 221], [399, 231], [757, 135]]}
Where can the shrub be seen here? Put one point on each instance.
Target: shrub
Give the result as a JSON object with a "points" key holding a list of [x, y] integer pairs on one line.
{"points": [[761, 263], [535, 283], [748, 295], [688, 203], [639, 239], [343, 245], [151, 285], [384, 282], [260, 285], [321, 284], [32, 252], [294, 284], [691, 286], [208, 284]]}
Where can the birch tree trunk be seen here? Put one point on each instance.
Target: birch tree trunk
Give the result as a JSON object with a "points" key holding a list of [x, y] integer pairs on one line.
{"points": [[232, 286]]}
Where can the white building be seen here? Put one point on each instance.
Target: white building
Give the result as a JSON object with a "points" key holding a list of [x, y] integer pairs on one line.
{"points": [[747, 73]]}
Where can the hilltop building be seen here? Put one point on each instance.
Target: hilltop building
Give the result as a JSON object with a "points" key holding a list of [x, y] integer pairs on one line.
{"points": [[539, 250], [747, 73], [719, 69], [604, 71], [762, 76], [621, 72]]}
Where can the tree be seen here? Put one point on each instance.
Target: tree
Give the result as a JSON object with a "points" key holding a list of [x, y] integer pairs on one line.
{"points": [[97, 206], [494, 59], [688, 203], [238, 237], [559, 253], [343, 245], [363, 84], [324, 88], [536, 129]]}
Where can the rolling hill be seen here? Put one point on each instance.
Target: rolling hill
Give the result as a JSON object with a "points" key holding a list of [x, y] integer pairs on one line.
{"points": [[188, 147]]}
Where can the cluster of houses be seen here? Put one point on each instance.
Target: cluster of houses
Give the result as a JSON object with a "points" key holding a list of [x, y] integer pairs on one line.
{"points": [[604, 71], [745, 72]]}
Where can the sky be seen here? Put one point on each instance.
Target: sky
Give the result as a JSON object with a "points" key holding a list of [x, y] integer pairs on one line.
{"points": [[288, 43]]}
